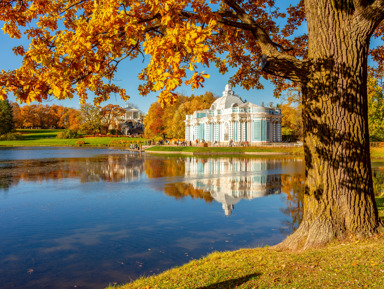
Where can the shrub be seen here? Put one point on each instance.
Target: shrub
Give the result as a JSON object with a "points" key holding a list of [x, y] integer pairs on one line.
{"points": [[119, 142], [11, 136], [80, 143], [67, 134]]}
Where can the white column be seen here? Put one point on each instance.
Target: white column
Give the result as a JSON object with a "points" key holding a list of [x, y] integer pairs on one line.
{"points": [[207, 132], [187, 133], [241, 130], [276, 132], [244, 130], [216, 131], [238, 130], [249, 131]]}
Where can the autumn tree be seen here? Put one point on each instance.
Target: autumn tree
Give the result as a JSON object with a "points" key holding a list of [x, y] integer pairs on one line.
{"points": [[90, 118], [16, 112], [111, 116], [168, 121], [55, 113], [42, 114], [29, 116], [77, 46], [153, 122], [189, 106], [70, 119], [291, 123], [375, 110], [6, 119]]}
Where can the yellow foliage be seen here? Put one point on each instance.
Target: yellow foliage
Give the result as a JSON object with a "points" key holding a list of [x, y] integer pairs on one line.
{"points": [[77, 46]]}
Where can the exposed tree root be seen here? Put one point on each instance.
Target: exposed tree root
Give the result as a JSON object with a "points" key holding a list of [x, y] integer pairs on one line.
{"points": [[320, 234]]}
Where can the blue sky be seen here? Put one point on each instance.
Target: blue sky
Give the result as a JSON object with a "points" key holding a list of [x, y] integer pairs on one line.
{"points": [[126, 78]]}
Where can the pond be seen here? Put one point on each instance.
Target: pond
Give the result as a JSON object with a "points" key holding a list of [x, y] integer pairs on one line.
{"points": [[86, 218]]}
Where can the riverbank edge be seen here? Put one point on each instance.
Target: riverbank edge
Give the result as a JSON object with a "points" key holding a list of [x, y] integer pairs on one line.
{"points": [[221, 153], [349, 263]]}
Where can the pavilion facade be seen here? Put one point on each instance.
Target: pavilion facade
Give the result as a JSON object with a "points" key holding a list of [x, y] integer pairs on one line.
{"points": [[229, 119]]}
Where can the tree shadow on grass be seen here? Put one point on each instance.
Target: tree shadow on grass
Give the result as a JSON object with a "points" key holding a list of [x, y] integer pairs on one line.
{"points": [[231, 283]]}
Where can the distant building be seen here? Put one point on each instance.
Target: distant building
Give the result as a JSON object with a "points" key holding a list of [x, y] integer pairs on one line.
{"points": [[231, 119], [131, 122]]}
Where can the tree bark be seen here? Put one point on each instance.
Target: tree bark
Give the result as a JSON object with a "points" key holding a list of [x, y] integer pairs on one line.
{"points": [[339, 199]]}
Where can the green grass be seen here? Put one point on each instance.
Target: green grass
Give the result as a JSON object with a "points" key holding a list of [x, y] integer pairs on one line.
{"points": [[47, 137], [290, 150], [377, 152], [380, 206], [352, 264], [357, 264]]}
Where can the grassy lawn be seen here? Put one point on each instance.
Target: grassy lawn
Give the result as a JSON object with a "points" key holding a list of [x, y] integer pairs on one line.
{"points": [[291, 150], [352, 264], [357, 264], [380, 206], [377, 152], [47, 137]]}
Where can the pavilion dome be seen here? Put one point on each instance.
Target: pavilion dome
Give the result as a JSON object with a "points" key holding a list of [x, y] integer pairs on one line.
{"points": [[228, 100]]}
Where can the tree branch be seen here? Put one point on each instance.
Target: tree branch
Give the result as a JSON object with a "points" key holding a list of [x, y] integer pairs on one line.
{"points": [[273, 61], [370, 10], [286, 67], [378, 8], [367, 16]]}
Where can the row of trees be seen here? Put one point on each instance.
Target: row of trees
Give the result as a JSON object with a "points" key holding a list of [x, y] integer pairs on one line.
{"points": [[169, 121], [45, 116], [87, 119]]}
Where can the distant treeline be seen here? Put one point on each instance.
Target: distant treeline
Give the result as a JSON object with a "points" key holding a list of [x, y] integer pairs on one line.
{"points": [[168, 122]]}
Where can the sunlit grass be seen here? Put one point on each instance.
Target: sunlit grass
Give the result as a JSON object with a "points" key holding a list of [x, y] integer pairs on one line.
{"points": [[349, 264], [290, 150], [47, 137], [353, 264]]}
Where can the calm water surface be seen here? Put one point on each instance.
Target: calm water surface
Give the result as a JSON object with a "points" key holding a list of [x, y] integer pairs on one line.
{"points": [[89, 217]]}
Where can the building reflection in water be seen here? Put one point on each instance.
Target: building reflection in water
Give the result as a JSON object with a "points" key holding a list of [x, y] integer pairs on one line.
{"points": [[229, 180], [125, 168], [226, 180]]}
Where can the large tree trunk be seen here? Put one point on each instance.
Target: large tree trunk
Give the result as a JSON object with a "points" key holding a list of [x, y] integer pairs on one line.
{"points": [[339, 199]]}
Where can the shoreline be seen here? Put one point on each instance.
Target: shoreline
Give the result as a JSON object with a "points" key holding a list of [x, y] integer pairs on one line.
{"points": [[221, 153]]}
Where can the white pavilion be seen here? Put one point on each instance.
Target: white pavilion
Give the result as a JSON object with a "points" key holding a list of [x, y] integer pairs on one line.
{"points": [[131, 119], [231, 119]]}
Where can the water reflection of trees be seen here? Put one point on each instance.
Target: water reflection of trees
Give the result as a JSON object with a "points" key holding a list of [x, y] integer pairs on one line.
{"points": [[164, 167], [111, 168], [293, 188], [182, 190]]}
